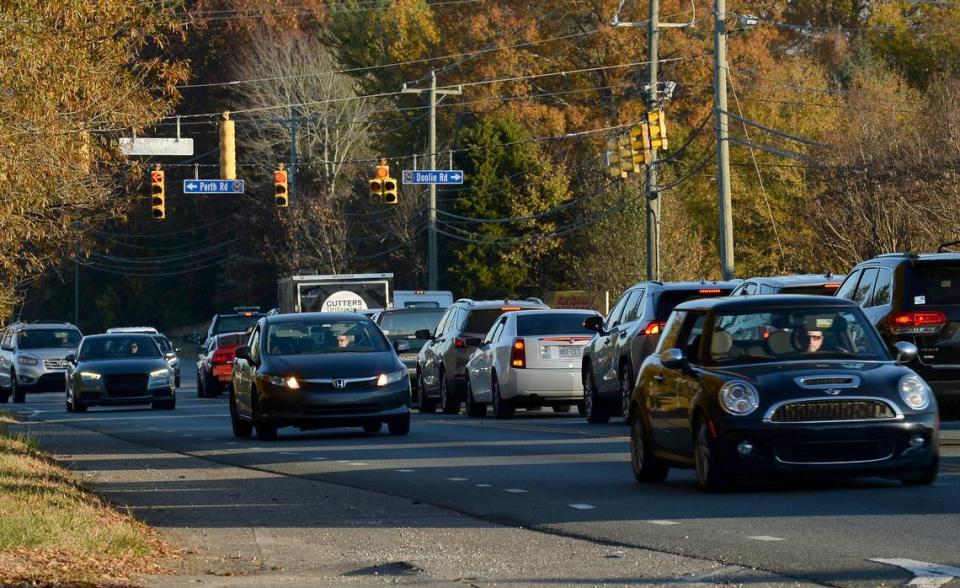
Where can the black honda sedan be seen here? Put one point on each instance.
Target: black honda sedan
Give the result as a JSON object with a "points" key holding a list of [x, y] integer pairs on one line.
{"points": [[319, 370], [769, 386], [119, 370]]}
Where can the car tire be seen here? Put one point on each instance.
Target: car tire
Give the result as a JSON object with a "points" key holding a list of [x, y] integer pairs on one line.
{"points": [[265, 431], [5, 396], [595, 410], [561, 408], [646, 467], [448, 403], [626, 392], [213, 388], [581, 409], [399, 426], [176, 381], [924, 477], [502, 409], [425, 404], [72, 405], [372, 427], [18, 393], [201, 393], [474, 409], [706, 457], [241, 429]]}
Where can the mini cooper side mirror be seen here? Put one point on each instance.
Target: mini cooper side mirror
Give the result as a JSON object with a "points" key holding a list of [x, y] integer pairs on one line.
{"points": [[473, 342], [243, 352], [593, 323], [424, 334], [673, 359], [401, 346], [905, 352]]}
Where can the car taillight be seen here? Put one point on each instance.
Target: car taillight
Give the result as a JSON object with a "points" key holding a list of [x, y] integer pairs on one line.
{"points": [[831, 286], [654, 327], [518, 354], [223, 356], [924, 322], [709, 291], [459, 342]]}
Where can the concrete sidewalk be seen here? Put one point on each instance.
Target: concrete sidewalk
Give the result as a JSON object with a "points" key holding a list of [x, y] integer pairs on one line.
{"points": [[245, 527]]}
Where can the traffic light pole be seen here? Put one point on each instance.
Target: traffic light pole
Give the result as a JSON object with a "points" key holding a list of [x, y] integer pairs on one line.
{"points": [[433, 92], [723, 145], [653, 195]]}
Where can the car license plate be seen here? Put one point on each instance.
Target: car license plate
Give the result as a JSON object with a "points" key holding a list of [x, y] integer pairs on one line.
{"points": [[571, 351]]}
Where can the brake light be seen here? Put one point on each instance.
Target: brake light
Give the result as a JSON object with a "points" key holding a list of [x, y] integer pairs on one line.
{"points": [[418, 292], [459, 342], [831, 286], [654, 327], [506, 308], [925, 322], [518, 354], [710, 291], [248, 314], [223, 356]]}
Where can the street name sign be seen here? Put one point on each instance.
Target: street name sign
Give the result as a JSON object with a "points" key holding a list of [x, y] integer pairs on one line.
{"points": [[156, 146], [432, 176], [213, 186]]}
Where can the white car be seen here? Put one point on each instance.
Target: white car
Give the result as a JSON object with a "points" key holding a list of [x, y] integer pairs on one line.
{"points": [[529, 358]]}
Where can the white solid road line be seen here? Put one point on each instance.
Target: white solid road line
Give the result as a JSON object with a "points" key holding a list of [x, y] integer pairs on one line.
{"points": [[515, 490], [456, 479], [581, 506], [483, 485], [405, 471], [765, 538], [926, 574], [356, 463], [662, 522]]}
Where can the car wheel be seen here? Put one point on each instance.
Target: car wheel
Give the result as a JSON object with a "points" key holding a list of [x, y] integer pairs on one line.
{"points": [[594, 409], [474, 409], [241, 429], [646, 468], [4, 396], [265, 431], [626, 392], [448, 403], [176, 381], [372, 427], [425, 404], [201, 393], [581, 409], [213, 388], [561, 408], [19, 394], [502, 409], [706, 458], [926, 476], [399, 426]]}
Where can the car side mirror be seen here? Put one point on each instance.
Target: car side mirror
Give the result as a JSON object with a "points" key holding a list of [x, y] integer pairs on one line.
{"points": [[473, 342], [594, 323], [401, 346], [71, 358], [170, 355], [673, 359], [243, 352], [905, 352], [424, 334], [177, 349]]}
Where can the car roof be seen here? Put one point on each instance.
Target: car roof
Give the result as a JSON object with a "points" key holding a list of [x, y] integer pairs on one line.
{"points": [[145, 330], [534, 311], [142, 336], [317, 316], [687, 285], [42, 325], [911, 257], [495, 304], [412, 310], [765, 301], [798, 279]]}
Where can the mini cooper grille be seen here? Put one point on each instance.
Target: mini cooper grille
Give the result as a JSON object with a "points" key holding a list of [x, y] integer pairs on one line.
{"points": [[833, 410], [827, 381]]}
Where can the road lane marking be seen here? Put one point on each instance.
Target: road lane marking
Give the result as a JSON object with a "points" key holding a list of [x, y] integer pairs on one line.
{"points": [[663, 522], [925, 574], [356, 463], [318, 458], [483, 485], [405, 471], [456, 479], [515, 490], [288, 453], [582, 506], [343, 461], [765, 538]]}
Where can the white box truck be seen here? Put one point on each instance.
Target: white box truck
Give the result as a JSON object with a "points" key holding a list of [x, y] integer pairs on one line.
{"points": [[334, 293]]}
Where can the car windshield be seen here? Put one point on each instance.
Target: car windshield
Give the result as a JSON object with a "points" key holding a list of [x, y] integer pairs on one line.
{"points": [[48, 339], [792, 334], [324, 336], [405, 324], [669, 299], [232, 340], [935, 285], [119, 347], [552, 323], [480, 321], [819, 290], [236, 323]]}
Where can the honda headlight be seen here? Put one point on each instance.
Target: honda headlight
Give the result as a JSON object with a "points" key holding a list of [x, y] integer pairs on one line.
{"points": [[391, 378], [160, 377], [914, 392], [739, 398], [90, 377], [288, 382]]}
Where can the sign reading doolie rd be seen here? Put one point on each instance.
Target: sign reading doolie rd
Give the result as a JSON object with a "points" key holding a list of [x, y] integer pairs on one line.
{"points": [[432, 176], [213, 186]]}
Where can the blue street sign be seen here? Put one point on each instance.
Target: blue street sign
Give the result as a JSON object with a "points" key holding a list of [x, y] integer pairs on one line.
{"points": [[432, 176], [213, 186]]}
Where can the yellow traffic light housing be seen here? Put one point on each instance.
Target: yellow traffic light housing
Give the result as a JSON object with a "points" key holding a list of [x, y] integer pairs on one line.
{"points": [[378, 185], [613, 157], [625, 153], [640, 145], [390, 191], [281, 189], [158, 196], [658, 129]]}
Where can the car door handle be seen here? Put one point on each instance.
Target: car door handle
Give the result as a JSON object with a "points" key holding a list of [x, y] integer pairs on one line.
{"points": [[658, 378]]}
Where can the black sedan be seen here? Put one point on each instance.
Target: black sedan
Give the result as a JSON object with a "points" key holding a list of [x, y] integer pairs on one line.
{"points": [[318, 370], [119, 370], [770, 386]]}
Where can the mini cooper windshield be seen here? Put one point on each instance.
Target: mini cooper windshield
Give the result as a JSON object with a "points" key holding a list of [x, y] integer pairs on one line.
{"points": [[794, 334], [324, 336]]}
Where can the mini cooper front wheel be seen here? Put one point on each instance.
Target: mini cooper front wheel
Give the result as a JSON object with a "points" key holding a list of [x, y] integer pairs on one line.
{"points": [[706, 457], [924, 477]]}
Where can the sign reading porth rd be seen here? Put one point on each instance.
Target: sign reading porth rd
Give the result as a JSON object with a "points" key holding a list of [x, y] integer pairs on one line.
{"points": [[213, 187], [432, 176]]}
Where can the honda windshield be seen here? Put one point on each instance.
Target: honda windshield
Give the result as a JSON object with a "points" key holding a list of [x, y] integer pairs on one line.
{"points": [[324, 336]]}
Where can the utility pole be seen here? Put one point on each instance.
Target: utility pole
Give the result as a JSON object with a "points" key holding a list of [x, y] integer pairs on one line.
{"points": [[433, 92], [76, 291], [293, 124], [723, 145]]}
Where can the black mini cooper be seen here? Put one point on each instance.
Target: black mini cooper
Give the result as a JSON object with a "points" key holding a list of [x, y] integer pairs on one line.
{"points": [[769, 386]]}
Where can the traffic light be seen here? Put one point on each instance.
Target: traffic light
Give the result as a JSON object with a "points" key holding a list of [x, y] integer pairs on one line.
{"points": [[640, 144], [379, 183], [280, 188], [658, 129], [158, 195], [613, 157], [390, 191], [626, 154]]}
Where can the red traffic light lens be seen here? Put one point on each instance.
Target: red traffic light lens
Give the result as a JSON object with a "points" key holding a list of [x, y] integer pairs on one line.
{"points": [[280, 177], [156, 176]]}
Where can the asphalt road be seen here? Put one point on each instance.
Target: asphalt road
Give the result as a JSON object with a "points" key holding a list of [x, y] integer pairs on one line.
{"points": [[558, 474]]}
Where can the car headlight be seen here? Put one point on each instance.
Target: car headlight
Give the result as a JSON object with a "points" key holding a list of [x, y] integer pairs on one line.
{"points": [[739, 398], [391, 378], [90, 377], [161, 376], [914, 392], [288, 382], [27, 360]]}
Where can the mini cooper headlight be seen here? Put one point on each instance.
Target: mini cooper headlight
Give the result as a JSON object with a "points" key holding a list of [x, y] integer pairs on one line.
{"points": [[739, 398], [289, 382], [914, 392], [391, 378]]}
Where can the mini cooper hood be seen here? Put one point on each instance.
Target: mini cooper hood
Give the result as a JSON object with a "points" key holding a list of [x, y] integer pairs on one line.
{"points": [[870, 377], [333, 365], [122, 366]]}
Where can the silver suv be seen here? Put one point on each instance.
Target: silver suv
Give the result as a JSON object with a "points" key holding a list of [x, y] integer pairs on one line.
{"points": [[33, 358]]}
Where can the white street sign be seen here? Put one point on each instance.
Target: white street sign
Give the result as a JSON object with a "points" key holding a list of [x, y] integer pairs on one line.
{"points": [[156, 146]]}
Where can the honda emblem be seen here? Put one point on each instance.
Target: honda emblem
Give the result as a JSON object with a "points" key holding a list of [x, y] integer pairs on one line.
{"points": [[340, 384]]}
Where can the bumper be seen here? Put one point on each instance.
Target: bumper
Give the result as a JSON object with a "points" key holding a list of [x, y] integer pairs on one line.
{"points": [[851, 449], [101, 398], [544, 385], [41, 380], [222, 373], [319, 410]]}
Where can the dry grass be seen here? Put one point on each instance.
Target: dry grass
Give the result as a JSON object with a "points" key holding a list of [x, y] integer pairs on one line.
{"points": [[55, 531]]}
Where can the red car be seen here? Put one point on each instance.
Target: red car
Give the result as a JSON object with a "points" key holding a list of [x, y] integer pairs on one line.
{"points": [[215, 363]]}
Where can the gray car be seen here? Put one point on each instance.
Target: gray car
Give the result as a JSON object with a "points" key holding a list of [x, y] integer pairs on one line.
{"points": [[33, 358]]}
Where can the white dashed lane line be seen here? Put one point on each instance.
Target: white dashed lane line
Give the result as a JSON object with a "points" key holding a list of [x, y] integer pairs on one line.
{"points": [[456, 479], [405, 471], [581, 506], [515, 490], [356, 463], [661, 522], [483, 485], [765, 538]]}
